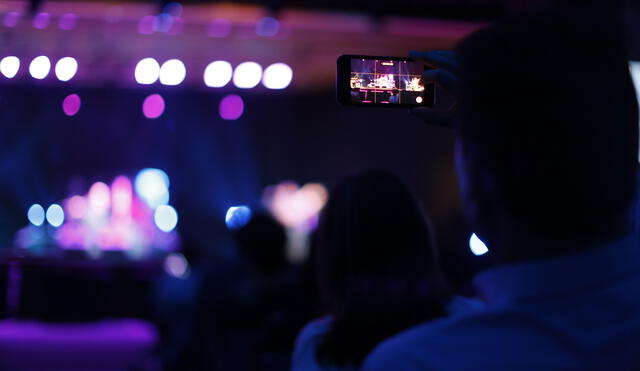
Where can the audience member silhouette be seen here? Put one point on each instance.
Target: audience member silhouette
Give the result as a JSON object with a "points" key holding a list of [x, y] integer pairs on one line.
{"points": [[377, 271], [547, 156]]}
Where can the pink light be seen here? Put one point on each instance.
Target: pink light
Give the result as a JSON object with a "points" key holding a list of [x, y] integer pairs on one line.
{"points": [[121, 194], [67, 21], [99, 198], [153, 106], [146, 24], [41, 20], [71, 105], [231, 107], [219, 28], [11, 19], [77, 207]]}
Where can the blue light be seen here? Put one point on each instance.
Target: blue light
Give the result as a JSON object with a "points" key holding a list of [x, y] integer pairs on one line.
{"points": [[166, 218], [55, 215], [237, 217], [477, 246], [35, 214], [152, 186]]}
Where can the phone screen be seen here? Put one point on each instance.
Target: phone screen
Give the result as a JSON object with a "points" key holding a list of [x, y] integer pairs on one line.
{"points": [[386, 81]]}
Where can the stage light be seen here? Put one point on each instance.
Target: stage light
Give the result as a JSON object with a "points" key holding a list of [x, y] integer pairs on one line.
{"points": [[172, 72], [477, 246], [153, 106], [67, 21], [218, 74], [9, 66], [219, 28], [40, 67], [277, 76], [147, 71], [418, 99], [66, 68], [146, 24], [55, 215], [121, 196], [176, 265], [152, 186], [11, 19], [247, 75], [237, 217], [166, 218], [41, 20], [71, 105], [77, 207], [231, 107], [99, 198], [267, 27], [35, 214]]}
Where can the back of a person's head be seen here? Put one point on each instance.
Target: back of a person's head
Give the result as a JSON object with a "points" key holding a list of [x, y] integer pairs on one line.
{"points": [[263, 240], [549, 124], [375, 265]]}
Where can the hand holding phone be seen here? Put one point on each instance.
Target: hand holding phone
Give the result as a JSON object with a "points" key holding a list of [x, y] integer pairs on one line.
{"points": [[383, 81]]}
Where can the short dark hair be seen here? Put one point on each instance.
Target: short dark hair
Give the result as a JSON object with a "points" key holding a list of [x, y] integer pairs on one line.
{"points": [[376, 266], [550, 112]]}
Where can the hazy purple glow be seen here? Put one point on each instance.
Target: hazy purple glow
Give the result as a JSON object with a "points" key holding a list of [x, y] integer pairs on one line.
{"points": [[67, 21], [219, 28], [11, 19], [41, 20], [231, 107], [146, 24], [267, 27], [153, 106], [71, 105]]}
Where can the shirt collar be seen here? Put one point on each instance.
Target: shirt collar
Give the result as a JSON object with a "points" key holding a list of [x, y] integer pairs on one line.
{"points": [[539, 279]]}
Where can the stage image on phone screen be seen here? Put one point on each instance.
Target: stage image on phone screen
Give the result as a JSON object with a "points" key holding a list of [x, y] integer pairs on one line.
{"points": [[386, 81]]}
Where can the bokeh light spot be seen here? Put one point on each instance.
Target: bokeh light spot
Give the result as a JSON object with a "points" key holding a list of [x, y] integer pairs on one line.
{"points": [[153, 106], [247, 75], [9, 66], [55, 215], [277, 76], [477, 246], [71, 105], [147, 71], [172, 72], [166, 218], [152, 186], [35, 214], [267, 27], [218, 74], [237, 217], [66, 68], [39, 67], [176, 265], [231, 107]]}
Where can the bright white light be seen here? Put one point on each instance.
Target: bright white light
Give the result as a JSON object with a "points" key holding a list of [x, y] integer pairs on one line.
{"points": [[55, 215], [166, 218], [418, 99], [277, 76], [66, 68], [247, 75], [35, 214], [147, 71], [152, 186], [9, 66], [176, 265], [237, 217], [218, 74], [477, 246], [40, 67], [172, 72]]}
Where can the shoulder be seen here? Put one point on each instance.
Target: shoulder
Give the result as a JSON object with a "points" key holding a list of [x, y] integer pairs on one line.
{"points": [[487, 339], [306, 343]]}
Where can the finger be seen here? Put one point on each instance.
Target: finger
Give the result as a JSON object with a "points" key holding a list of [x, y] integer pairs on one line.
{"points": [[444, 78], [433, 117], [437, 58]]}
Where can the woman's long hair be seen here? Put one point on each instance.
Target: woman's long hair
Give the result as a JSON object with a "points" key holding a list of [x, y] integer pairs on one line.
{"points": [[376, 267]]}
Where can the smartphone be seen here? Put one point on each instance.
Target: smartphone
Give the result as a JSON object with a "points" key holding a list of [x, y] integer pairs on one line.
{"points": [[364, 80]]}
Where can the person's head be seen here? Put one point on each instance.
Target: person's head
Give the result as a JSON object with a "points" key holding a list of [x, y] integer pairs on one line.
{"points": [[548, 135], [263, 240], [375, 265]]}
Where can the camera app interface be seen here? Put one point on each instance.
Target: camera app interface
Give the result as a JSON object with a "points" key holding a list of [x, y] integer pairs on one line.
{"points": [[386, 81]]}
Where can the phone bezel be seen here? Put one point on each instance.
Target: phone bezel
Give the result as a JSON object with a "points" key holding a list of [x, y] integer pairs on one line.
{"points": [[343, 75]]}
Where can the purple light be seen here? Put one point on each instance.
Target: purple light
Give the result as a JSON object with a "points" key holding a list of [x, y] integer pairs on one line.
{"points": [[11, 19], [121, 196], [162, 23], [219, 28], [231, 107], [71, 105], [153, 106], [41, 20], [146, 24], [67, 21], [267, 27]]}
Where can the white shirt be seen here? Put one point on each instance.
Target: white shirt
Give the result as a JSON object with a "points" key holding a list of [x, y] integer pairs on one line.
{"points": [[578, 312], [304, 355]]}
